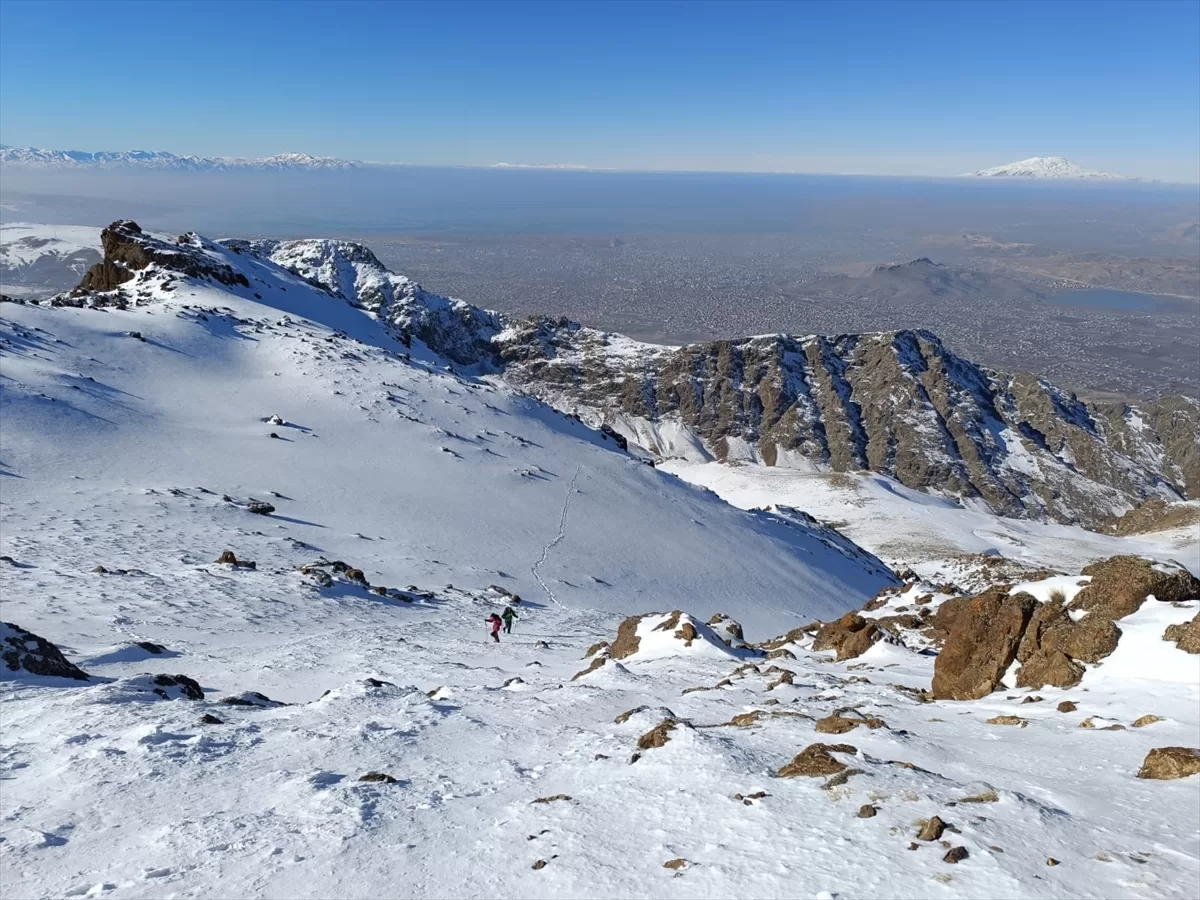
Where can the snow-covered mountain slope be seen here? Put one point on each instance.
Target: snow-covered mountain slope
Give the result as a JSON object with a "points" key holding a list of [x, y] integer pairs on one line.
{"points": [[40, 260], [450, 474], [31, 157], [144, 419], [933, 536], [901, 403], [1044, 167]]}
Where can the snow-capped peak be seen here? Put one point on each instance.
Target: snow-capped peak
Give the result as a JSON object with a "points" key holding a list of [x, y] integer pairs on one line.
{"points": [[32, 157], [1043, 167]]}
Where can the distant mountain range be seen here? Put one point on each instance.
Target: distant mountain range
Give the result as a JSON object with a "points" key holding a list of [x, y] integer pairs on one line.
{"points": [[1044, 167], [158, 159]]}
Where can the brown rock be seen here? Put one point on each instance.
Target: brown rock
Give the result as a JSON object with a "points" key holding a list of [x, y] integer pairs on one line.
{"points": [[956, 854], [1051, 861], [784, 653], [867, 811], [836, 724], [627, 641], [1185, 635], [1121, 584], [851, 636], [551, 799], [1067, 706], [1049, 667], [785, 677], [658, 735], [676, 864], [1166, 763], [1146, 720], [981, 643], [816, 760], [540, 864], [1034, 698], [596, 648], [932, 830]]}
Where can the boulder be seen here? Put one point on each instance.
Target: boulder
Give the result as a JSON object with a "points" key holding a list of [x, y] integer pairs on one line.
{"points": [[1185, 635], [1121, 584], [1054, 645], [1166, 763], [850, 636], [931, 830], [817, 760], [25, 651], [981, 642]]}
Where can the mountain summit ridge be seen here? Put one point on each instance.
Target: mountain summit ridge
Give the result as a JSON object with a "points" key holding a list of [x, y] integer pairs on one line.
{"points": [[1044, 167]]}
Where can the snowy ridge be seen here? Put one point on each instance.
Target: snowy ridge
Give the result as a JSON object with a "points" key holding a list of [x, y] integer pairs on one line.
{"points": [[1044, 167], [30, 157]]}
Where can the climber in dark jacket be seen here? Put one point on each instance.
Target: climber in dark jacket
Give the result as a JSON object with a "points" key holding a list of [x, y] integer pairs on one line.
{"points": [[508, 615]]}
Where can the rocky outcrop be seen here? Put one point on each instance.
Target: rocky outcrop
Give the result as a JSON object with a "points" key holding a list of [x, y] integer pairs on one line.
{"points": [[1054, 645], [817, 760], [24, 651], [127, 250], [1053, 641], [1121, 584], [983, 635]]}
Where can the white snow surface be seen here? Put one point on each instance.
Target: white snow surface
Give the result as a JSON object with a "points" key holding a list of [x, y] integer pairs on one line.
{"points": [[1044, 167], [119, 452], [21, 243], [908, 528]]}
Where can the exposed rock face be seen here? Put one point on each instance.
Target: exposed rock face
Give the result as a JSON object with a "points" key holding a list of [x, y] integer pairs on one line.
{"points": [[983, 636], [128, 249], [23, 650], [1186, 635], [898, 403], [1166, 763]]}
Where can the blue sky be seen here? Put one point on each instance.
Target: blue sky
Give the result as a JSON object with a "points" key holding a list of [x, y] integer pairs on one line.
{"points": [[882, 88]]}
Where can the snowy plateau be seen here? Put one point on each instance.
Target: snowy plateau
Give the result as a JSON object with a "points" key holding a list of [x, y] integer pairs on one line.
{"points": [[256, 509], [1045, 167]]}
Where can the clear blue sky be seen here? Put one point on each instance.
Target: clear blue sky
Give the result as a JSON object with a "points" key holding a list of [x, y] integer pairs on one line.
{"points": [[888, 88]]}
